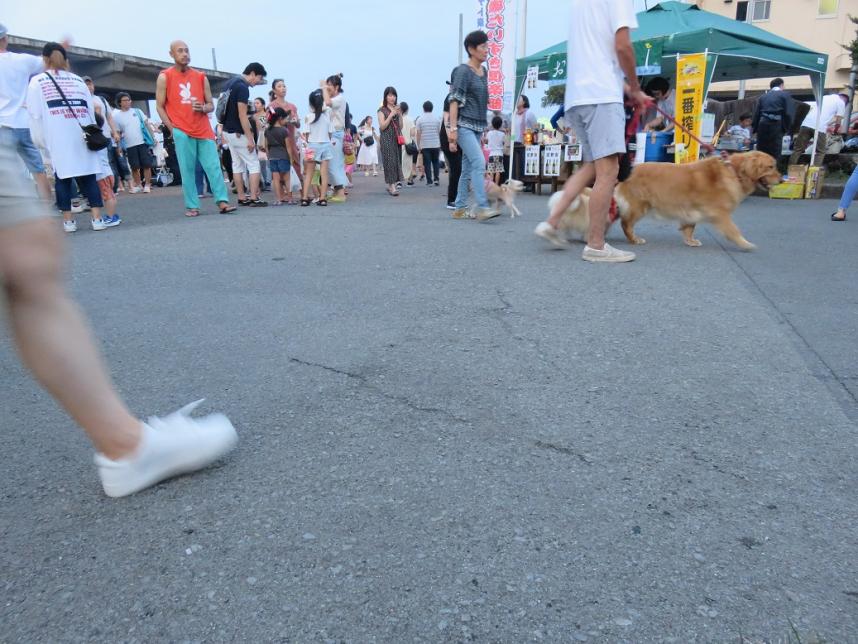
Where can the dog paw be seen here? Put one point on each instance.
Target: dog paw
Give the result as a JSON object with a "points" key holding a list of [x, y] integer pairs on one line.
{"points": [[693, 242], [640, 241], [749, 247]]}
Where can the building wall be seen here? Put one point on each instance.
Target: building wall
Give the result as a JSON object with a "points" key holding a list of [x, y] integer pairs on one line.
{"points": [[799, 21]]}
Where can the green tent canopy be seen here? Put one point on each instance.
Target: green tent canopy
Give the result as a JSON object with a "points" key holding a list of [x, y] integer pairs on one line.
{"points": [[737, 50]]}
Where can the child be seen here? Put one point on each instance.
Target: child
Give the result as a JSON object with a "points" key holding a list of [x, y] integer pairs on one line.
{"points": [[743, 130], [317, 130], [350, 155], [278, 155], [495, 139]]}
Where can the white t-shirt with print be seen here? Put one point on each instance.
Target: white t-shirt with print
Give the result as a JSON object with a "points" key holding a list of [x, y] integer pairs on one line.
{"points": [[128, 124], [495, 140], [594, 75], [54, 124], [15, 73], [320, 131], [832, 105]]}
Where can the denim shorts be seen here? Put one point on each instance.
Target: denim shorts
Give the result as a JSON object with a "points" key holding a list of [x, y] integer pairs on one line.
{"points": [[322, 151], [19, 201], [283, 166], [88, 187], [139, 156], [19, 138]]}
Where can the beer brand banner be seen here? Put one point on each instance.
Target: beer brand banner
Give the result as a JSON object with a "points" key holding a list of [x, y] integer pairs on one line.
{"points": [[690, 84], [498, 19]]}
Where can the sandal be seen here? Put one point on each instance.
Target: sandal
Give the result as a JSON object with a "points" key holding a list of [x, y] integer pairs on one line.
{"points": [[305, 202], [835, 218], [192, 212], [226, 209], [322, 202]]}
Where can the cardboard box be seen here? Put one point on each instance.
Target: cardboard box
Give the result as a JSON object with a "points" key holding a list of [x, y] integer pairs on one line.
{"points": [[813, 185], [787, 191], [797, 174]]}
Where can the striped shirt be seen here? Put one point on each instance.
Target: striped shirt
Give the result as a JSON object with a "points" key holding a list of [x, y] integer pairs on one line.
{"points": [[429, 126]]}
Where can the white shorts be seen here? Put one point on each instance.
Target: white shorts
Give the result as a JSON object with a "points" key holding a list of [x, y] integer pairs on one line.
{"points": [[242, 159], [601, 129]]}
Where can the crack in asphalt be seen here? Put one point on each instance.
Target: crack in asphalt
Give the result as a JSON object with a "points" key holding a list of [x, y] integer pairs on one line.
{"points": [[568, 451], [364, 383], [500, 314]]}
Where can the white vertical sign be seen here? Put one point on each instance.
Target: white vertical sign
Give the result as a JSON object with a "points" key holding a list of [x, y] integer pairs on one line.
{"points": [[498, 19]]}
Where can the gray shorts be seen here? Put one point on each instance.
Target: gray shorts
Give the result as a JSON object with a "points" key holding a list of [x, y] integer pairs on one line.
{"points": [[19, 200], [600, 129]]}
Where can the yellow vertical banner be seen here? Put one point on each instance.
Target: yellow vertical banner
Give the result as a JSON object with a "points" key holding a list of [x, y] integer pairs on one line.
{"points": [[690, 82]]}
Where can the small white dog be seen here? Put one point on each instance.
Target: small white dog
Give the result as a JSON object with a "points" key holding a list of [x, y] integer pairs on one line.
{"points": [[576, 220], [504, 193]]}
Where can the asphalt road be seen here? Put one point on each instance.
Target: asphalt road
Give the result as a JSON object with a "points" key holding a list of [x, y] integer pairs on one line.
{"points": [[451, 433]]}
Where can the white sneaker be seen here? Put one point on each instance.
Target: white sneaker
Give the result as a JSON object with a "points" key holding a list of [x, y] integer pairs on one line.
{"points": [[135, 189], [70, 226], [98, 224], [147, 188], [549, 233], [484, 214], [76, 208], [169, 446], [607, 254]]}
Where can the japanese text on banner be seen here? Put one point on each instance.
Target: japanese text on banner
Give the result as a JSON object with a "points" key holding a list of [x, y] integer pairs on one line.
{"points": [[690, 82], [498, 19]]}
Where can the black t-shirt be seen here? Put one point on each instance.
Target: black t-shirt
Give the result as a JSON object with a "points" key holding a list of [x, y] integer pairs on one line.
{"points": [[240, 93]]}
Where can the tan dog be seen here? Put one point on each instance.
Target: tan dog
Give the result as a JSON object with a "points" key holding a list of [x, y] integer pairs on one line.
{"points": [[575, 222], [505, 194], [707, 191]]}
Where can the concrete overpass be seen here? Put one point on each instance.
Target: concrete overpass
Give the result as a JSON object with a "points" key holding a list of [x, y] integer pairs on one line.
{"points": [[112, 72]]}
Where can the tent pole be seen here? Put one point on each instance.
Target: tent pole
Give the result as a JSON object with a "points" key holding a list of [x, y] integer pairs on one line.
{"points": [[818, 121], [512, 129]]}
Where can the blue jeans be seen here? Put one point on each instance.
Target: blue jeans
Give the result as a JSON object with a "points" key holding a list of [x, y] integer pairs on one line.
{"points": [[337, 168], [850, 190], [19, 138], [473, 169]]}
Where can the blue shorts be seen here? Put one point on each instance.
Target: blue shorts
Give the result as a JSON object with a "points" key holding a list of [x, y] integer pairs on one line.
{"points": [[322, 151], [19, 138], [283, 166]]}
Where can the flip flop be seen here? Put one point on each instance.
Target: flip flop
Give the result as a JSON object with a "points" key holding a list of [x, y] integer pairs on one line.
{"points": [[834, 218], [228, 210], [192, 212]]}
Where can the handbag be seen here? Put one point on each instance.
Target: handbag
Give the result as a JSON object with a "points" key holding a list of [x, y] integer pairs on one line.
{"points": [[369, 140], [411, 148], [147, 135], [92, 134]]}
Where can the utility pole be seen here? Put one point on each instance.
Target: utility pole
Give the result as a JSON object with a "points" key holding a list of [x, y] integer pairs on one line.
{"points": [[522, 29], [214, 59], [460, 48]]}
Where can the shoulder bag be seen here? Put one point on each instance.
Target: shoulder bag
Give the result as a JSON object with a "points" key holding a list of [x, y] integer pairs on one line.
{"points": [[92, 134]]}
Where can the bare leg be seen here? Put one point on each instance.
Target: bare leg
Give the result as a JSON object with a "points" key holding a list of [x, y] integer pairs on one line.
{"points": [[147, 173], [54, 341], [323, 192], [309, 169], [43, 185], [135, 173], [238, 179], [572, 188], [254, 185], [600, 199], [278, 187]]}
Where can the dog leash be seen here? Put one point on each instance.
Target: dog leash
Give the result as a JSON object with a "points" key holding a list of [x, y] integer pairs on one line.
{"points": [[706, 146]]}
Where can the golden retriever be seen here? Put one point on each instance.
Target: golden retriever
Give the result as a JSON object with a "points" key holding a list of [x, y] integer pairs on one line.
{"points": [[706, 191]]}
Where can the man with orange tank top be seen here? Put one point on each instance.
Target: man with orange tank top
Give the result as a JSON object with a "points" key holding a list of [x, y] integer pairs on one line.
{"points": [[184, 100]]}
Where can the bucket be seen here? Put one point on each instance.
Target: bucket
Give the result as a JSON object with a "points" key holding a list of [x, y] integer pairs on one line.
{"points": [[656, 146]]}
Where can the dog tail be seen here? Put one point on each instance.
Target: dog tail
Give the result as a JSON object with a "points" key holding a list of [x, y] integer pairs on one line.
{"points": [[557, 196]]}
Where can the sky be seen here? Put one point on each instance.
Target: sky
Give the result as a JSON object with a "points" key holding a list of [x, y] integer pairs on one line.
{"points": [[411, 44]]}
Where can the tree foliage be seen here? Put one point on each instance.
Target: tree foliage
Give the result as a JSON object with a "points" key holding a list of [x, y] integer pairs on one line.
{"points": [[554, 95]]}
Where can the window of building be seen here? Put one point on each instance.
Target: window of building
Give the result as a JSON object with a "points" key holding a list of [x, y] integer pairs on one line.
{"points": [[761, 10], [742, 11], [828, 7]]}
